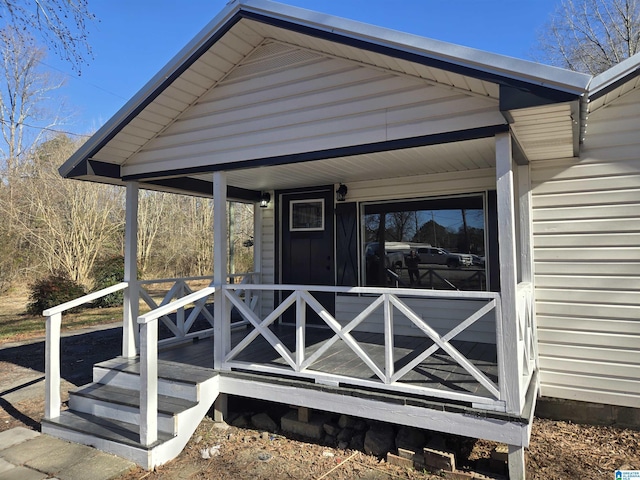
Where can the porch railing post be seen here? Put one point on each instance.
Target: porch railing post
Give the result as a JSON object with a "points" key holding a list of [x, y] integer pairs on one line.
{"points": [[52, 367], [130, 335], [301, 325], [148, 382], [511, 362], [388, 339], [220, 313]]}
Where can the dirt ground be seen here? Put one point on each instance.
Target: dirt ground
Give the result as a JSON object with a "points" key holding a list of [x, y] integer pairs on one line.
{"points": [[559, 450]]}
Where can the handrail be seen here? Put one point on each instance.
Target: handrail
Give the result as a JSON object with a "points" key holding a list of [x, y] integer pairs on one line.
{"points": [[169, 280], [52, 397], [84, 299], [149, 363], [175, 305]]}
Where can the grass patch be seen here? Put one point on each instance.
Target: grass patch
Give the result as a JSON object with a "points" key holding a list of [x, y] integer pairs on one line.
{"points": [[21, 326]]}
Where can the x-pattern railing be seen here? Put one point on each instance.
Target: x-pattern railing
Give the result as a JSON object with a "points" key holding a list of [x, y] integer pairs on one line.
{"points": [[387, 299]]}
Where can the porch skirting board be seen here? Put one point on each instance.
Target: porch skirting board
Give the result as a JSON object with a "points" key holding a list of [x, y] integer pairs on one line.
{"points": [[423, 414]]}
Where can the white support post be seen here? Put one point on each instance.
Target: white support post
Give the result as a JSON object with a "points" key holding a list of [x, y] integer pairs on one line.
{"points": [[516, 463], [149, 383], [257, 253], [220, 315], [130, 335], [52, 367], [301, 325], [388, 340], [508, 344]]}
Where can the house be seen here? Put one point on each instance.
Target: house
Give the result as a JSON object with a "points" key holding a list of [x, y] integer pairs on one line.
{"points": [[351, 135]]}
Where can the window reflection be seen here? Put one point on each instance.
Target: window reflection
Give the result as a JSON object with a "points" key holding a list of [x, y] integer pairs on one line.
{"points": [[431, 243]]}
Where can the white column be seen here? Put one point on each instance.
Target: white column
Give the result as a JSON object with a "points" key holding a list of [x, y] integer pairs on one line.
{"points": [[516, 463], [130, 333], [221, 329], [508, 343]]}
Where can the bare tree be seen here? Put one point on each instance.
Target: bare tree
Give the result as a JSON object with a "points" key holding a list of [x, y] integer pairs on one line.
{"points": [[591, 36], [24, 96], [62, 24], [68, 224]]}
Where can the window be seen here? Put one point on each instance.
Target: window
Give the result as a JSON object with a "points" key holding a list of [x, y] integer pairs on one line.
{"points": [[306, 215], [430, 243]]}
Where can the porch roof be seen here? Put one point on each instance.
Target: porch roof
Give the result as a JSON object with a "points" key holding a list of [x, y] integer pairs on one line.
{"points": [[541, 104]]}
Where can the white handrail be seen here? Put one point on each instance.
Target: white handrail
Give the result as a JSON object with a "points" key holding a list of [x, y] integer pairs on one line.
{"points": [[52, 398], [84, 299], [149, 363]]}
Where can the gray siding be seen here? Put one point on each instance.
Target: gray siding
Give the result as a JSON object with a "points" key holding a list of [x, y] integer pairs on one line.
{"points": [[586, 224]]}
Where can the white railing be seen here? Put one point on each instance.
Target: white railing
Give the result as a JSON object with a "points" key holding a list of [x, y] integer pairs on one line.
{"points": [[149, 338], [149, 361], [386, 376], [52, 400], [527, 339], [182, 325]]}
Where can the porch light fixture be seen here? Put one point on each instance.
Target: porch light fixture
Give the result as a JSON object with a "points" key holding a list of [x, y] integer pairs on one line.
{"points": [[265, 198], [341, 193]]}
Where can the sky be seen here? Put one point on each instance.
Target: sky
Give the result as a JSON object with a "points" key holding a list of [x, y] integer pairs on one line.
{"points": [[133, 39]]}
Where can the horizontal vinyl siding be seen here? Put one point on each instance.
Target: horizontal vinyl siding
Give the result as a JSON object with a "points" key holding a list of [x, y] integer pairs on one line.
{"points": [[284, 100], [586, 226]]}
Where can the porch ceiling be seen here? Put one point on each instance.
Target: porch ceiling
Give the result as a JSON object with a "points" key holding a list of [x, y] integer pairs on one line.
{"points": [[425, 160]]}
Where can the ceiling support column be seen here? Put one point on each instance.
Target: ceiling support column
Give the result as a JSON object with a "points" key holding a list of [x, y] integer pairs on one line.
{"points": [[130, 332], [221, 315], [508, 343]]}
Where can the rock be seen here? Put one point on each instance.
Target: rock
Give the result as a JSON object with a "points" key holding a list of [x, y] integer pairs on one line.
{"points": [[357, 442], [240, 421], [345, 435], [360, 425], [346, 421], [262, 421], [329, 440], [331, 429], [411, 439], [379, 440]]}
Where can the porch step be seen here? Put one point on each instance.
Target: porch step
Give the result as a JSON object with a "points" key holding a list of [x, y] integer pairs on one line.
{"points": [[174, 379], [97, 428], [122, 404], [106, 414]]}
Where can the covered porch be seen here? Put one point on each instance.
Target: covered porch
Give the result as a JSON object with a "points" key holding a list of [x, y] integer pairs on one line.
{"points": [[334, 127]]}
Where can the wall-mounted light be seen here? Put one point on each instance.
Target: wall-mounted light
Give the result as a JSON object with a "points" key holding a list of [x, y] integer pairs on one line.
{"points": [[265, 198], [341, 193]]}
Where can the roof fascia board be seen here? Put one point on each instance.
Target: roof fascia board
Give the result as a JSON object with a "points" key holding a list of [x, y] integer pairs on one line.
{"points": [[495, 65], [615, 77], [154, 87]]}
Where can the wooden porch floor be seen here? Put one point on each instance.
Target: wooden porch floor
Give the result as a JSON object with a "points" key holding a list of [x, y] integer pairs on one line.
{"points": [[439, 371]]}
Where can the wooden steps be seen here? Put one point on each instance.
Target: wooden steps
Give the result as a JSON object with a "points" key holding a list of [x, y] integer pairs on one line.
{"points": [[106, 412]]}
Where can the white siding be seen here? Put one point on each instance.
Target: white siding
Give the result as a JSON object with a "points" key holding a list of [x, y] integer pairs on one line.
{"points": [[283, 100], [586, 215], [267, 256]]}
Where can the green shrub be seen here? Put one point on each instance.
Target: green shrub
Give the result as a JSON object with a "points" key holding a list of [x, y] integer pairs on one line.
{"points": [[107, 272], [52, 291]]}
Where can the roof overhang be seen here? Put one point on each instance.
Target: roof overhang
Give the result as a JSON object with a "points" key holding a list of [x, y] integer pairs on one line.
{"points": [[540, 102]]}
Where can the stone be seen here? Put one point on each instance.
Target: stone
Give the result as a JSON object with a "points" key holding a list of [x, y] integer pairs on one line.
{"points": [[330, 440], [240, 421], [346, 421], [361, 425], [343, 445], [357, 442], [313, 429], [345, 435], [262, 421], [379, 440], [331, 428]]}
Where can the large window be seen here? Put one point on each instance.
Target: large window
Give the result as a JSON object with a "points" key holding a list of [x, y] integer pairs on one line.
{"points": [[431, 243]]}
